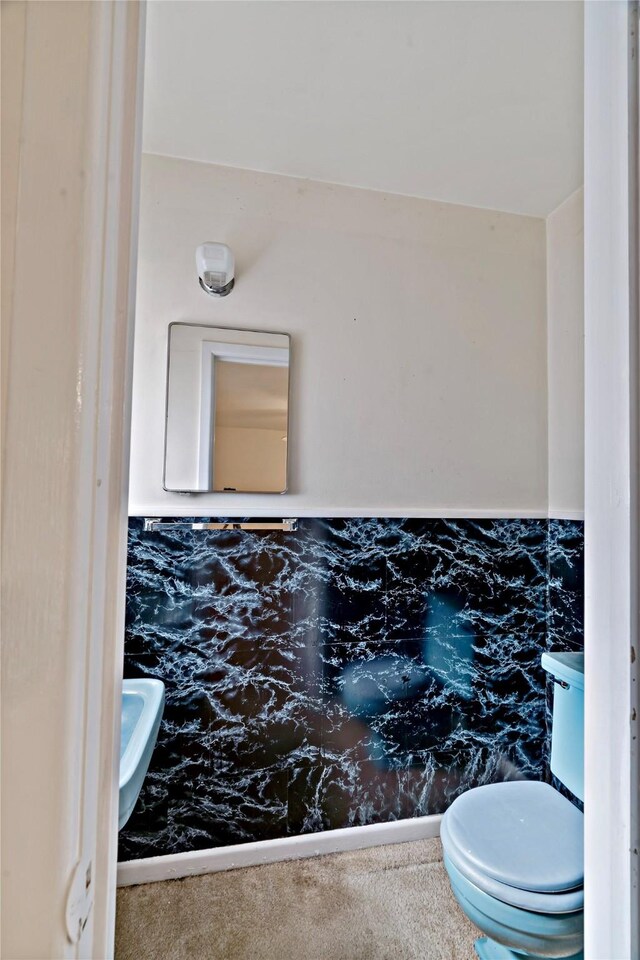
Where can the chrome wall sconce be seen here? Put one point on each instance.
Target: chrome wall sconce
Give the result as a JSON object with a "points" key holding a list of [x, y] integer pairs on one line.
{"points": [[216, 268]]}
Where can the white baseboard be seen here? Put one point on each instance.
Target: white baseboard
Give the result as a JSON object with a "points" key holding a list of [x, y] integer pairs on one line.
{"points": [[189, 864]]}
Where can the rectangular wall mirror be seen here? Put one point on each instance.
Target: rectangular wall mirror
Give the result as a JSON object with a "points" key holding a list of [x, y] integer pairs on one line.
{"points": [[227, 414]]}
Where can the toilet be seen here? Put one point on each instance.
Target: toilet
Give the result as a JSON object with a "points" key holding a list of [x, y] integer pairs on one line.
{"points": [[514, 850]]}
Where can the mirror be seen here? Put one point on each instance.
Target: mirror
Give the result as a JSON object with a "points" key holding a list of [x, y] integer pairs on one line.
{"points": [[227, 412]]}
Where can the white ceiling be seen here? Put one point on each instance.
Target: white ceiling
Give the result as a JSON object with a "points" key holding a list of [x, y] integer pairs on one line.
{"points": [[476, 102]]}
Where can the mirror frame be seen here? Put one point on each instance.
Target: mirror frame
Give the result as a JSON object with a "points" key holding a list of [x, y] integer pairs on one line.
{"points": [[228, 330]]}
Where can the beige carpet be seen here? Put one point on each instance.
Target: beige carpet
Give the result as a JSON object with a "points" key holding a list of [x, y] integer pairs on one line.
{"points": [[386, 903]]}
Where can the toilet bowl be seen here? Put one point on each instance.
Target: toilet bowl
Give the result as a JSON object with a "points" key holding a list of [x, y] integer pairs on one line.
{"points": [[514, 851]]}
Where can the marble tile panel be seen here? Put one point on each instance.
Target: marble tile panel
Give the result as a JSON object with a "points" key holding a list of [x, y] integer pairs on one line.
{"points": [[355, 671]]}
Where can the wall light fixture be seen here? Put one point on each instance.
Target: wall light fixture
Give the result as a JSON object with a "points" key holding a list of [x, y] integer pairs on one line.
{"points": [[215, 265]]}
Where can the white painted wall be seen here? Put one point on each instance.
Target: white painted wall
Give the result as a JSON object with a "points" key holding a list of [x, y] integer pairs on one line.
{"points": [[565, 357], [418, 341]]}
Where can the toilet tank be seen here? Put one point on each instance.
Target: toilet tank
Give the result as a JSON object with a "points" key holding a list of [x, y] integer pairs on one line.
{"points": [[567, 731]]}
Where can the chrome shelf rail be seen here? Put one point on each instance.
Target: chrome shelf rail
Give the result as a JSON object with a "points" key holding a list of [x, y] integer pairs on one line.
{"points": [[154, 524]]}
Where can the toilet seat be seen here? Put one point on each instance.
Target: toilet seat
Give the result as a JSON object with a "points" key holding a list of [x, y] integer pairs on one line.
{"points": [[549, 903], [521, 842]]}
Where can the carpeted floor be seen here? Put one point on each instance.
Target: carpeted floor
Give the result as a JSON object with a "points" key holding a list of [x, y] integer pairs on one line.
{"points": [[385, 903]]}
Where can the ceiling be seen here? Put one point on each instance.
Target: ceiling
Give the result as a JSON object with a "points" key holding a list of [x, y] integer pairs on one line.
{"points": [[476, 102]]}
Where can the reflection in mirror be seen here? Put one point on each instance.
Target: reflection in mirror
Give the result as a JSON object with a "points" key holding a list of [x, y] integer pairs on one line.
{"points": [[250, 426], [227, 410]]}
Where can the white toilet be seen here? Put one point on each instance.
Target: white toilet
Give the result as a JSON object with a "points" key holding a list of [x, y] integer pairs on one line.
{"points": [[514, 850]]}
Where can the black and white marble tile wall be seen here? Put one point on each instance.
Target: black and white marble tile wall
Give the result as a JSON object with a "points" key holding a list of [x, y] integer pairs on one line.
{"points": [[565, 611], [354, 671]]}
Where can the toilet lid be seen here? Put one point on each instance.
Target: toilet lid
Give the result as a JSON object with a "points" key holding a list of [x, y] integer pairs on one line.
{"points": [[520, 833]]}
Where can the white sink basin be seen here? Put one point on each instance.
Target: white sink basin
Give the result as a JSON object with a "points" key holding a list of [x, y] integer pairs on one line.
{"points": [[142, 706]]}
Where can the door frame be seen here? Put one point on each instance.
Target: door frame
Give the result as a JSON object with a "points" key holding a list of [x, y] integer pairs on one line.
{"points": [[72, 85], [611, 480]]}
